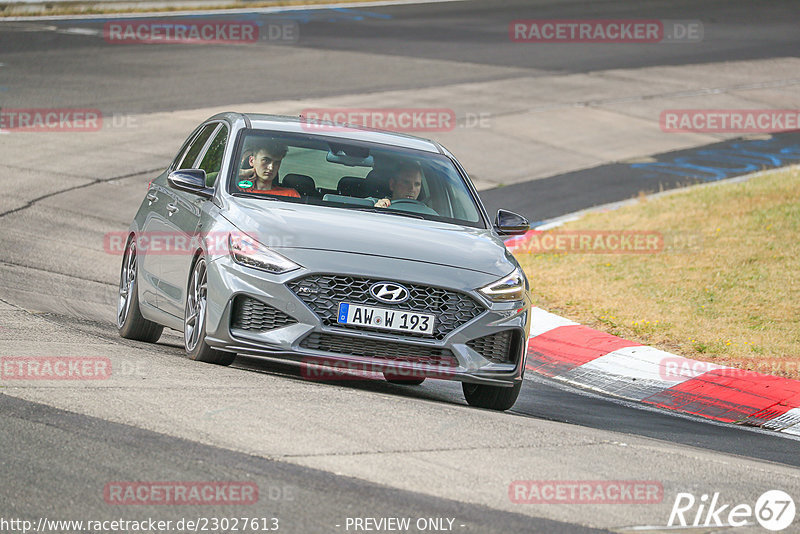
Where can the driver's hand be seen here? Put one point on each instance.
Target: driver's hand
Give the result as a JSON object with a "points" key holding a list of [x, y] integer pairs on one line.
{"points": [[383, 203], [247, 173]]}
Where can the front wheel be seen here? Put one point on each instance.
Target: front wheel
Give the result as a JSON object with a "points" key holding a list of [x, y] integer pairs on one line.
{"points": [[130, 323], [194, 322], [491, 397]]}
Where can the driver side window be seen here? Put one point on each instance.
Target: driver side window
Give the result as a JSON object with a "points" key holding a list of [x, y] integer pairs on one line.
{"points": [[187, 162], [212, 161]]}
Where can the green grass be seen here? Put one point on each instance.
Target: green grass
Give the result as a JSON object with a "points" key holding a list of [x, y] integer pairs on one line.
{"points": [[726, 287]]}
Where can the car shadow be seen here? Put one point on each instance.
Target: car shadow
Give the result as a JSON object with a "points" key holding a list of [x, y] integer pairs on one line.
{"points": [[436, 390]]}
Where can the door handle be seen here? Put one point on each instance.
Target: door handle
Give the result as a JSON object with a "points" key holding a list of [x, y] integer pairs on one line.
{"points": [[171, 208]]}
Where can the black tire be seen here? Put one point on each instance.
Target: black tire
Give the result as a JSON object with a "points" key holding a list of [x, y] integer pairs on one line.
{"points": [[194, 319], [130, 323], [403, 380], [491, 397]]}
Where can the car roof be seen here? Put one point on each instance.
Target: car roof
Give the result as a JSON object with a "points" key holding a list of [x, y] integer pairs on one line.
{"points": [[290, 124]]}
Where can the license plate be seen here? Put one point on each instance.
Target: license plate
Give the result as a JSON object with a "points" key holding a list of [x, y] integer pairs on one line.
{"points": [[397, 320]]}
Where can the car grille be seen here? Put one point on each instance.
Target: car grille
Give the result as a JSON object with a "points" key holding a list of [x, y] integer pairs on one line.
{"points": [[323, 293], [252, 314], [382, 350], [501, 347]]}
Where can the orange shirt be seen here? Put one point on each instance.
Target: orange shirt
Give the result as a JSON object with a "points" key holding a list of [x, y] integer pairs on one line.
{"points": [[276, 190]]}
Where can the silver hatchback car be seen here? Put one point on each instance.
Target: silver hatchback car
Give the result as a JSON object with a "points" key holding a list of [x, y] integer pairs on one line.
{"points": [[332, 247]]}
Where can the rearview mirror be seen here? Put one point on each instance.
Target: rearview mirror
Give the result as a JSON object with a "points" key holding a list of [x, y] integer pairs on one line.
{"points": [[352, 156], [191, 181], [350, 161], [510, 223]]}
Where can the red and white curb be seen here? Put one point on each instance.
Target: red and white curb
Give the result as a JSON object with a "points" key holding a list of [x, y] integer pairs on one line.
{"points": [[581, 356]]}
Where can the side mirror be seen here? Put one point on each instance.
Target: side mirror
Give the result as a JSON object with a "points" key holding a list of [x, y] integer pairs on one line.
{"points": [[191, 181], [510, 223]]}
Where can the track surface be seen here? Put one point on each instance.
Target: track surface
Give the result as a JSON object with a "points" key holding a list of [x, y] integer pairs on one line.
{"points": [[422, 45], [120, 436]]}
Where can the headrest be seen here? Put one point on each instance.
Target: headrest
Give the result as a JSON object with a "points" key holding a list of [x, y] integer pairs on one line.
{"points": [[300, 182], [376, 184], [351, 186]]}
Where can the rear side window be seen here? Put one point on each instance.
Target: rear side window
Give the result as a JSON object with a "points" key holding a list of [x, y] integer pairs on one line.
{"points": [[197, 145]]}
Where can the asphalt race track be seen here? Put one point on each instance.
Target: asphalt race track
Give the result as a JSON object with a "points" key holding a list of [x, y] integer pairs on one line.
{"points": [[323, 452]]}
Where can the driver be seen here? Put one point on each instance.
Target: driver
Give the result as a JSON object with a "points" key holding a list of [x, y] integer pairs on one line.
{"points": [[265, 161], [405, 184]]}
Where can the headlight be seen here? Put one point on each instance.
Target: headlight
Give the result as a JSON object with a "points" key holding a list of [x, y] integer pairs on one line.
{"points": [[247, 251], [509, 288]]}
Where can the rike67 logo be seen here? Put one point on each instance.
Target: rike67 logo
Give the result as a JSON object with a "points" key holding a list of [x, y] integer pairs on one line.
{"points": [[774, 510]]}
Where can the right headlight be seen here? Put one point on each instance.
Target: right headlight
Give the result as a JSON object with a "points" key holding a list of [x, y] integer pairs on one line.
{"points": [[507, 289], [247, 251]]}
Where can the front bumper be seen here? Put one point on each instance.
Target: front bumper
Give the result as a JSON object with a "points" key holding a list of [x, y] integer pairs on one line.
{"points": [[308, 340]]}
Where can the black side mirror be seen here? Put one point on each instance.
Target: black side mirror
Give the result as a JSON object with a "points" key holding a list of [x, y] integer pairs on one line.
{"points": [[510, 223], [191, 181]]}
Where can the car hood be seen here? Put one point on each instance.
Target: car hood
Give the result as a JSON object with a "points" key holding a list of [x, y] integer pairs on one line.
{"points": [[287, 226]]}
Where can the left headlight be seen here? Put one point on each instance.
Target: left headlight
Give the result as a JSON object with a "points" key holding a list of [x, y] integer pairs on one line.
{"points": [[507, 289], [247, 251]]}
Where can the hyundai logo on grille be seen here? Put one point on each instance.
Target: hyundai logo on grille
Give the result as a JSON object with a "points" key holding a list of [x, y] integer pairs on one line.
{"points": [[389, 292]]}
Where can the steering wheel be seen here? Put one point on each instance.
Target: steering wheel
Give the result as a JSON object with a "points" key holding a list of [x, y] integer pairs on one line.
{"points": [[408, 201], [412, 206]]}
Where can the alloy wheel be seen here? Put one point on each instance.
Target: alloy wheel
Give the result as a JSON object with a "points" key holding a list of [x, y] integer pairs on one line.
{"points": [[195, 306]]}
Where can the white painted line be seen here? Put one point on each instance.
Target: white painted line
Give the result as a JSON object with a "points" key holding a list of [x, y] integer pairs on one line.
{"points": [[80, 31], [543, 321], [556, 223], [788, 422], [577, 215], [262, 10], [794, 430]]}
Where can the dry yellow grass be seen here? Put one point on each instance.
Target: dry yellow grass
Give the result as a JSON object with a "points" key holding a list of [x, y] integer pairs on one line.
{"points": [[725, 289]]}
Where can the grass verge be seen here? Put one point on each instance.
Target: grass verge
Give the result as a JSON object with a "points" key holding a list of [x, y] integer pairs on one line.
{"points": [[724, 286]]}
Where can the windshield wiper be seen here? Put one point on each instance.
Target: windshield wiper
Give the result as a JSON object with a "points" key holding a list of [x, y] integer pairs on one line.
{"points": [[391, 212]]}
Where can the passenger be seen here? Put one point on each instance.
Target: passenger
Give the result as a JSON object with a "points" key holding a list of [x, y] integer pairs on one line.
{"points": [[265, 162], [405, 184]]}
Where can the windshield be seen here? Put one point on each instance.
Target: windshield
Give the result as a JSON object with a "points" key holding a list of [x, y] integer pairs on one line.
{"points": [[351, 175]]}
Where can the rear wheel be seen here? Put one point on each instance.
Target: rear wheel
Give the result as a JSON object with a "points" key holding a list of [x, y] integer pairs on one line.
{"points": [[194, 322], [403, 380], [130, 323], [491, 397]]}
